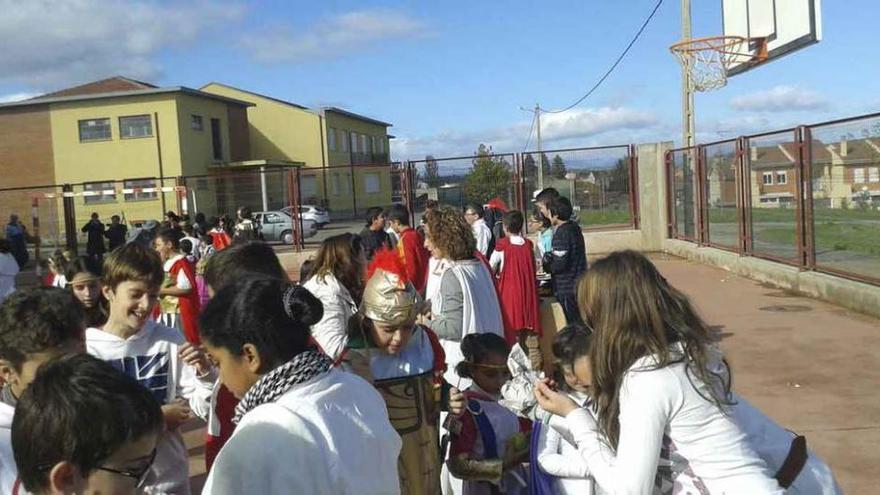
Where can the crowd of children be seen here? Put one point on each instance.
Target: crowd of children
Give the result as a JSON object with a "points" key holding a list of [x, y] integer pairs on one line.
{"points": [[416, 372]]}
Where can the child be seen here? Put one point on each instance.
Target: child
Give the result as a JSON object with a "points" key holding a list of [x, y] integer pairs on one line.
{"points": [[302, 426], [219, 233], [513, 263], [83, 427], [568, 259], [557, 458], [180, 298], [227, 266], [405, 362], [86, 287], [541, 225], [8, 270], [489, 443], [155, 355], [57, 265], [207, 248], [36, 325], [186, 248], [665, 416], [246, 229]]}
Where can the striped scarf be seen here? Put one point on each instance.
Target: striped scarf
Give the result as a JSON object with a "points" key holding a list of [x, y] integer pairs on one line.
{"points": [[277, 382]]}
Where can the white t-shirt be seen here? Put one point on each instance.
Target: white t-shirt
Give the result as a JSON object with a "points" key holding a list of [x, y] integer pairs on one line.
{"points": [[182, 281], [660, 409], [196, 247], [151, 357], [8, 470], [328, 436], [8, 270], [483, 235]]}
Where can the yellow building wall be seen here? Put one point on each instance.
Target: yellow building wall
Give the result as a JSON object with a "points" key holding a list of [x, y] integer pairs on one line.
{"points": [[196, 147], [349, 125], [116, 159], [278, 131]]}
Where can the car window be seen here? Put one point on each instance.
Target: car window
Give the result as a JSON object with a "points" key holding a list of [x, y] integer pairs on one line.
{"points": [[273, 218]]}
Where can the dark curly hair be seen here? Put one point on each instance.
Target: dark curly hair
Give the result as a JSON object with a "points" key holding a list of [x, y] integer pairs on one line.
{"points": [[37, 320], [450, 233]]}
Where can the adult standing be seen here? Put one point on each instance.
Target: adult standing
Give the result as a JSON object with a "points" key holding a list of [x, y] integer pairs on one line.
{"points": [[473, 213], [466, 302], [373, 235], [95, 247], [8, 270], [410, 247], [116, 232], [568, 259], [16, 234], [337, 280]]}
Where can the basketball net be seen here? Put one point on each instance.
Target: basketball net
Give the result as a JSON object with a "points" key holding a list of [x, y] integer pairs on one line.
{"points": [[707, 60]]}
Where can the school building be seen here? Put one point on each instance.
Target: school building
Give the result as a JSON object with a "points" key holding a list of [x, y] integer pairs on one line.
{"points": [[123, 144]]}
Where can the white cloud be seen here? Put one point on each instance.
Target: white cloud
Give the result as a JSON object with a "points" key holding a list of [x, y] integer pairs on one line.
{"points": [[48, 44], [9, 98], [333, 37], [579, 127], [780, 99]]}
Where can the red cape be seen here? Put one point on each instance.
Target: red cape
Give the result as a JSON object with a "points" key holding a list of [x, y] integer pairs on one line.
{"points": [[517, 289], [189, 304]]}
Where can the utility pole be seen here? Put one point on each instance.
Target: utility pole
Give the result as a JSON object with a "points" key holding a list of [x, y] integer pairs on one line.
{"points": [[540, 149], [687, 85]]}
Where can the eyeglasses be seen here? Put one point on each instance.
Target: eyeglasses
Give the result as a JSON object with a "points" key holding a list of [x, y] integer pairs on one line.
{"points": [[139, 476]]}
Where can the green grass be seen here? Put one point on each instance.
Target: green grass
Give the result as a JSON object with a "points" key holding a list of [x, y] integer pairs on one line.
{"points": [[728, 215], [857, 238], [593, 218]]}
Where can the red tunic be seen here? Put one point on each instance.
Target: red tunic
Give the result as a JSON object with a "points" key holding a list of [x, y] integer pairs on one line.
{"points": [[189, 304], [415, 258], [517, 289], [221, 239]]}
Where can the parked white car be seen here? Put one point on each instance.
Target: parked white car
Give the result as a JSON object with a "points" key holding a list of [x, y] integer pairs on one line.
{"points": [[311, 212], [277, 226]]}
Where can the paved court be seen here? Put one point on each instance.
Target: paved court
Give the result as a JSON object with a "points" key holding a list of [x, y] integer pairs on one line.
{"points": [[812, 366]]}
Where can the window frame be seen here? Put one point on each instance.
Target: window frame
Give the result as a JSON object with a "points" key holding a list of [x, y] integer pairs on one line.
{"points": [[782, 177], [873, 174], [193, 118], [135, 197], [346, 144], [331, 138], [378, 179], [859, 175], [79, 126], [768, 175], [102, 198], [150, 121]]}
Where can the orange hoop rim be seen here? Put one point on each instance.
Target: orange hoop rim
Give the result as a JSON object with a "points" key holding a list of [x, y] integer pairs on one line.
{"points": [[727, 45]]}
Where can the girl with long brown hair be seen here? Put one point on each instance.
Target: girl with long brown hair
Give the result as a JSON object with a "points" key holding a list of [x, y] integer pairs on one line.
{"points": [[661, 391], [337, 280]]}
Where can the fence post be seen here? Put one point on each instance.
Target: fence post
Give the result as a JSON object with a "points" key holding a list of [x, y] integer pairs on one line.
{"points": [[805, 193], [293, 198], [746, 192], [69, 218], [634, 187], [670, 197], [740, 202], [180, 192], [702, 201], [407, 181]]}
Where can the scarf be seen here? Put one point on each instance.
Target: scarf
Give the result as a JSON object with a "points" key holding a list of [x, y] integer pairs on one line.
{"points": [[275, 383]]}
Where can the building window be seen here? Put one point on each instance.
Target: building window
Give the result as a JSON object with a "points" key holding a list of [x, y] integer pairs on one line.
{"points": [[196, 123], [371, 183], [768, 178], [331, 139], [365, 144], [874, 174], [343, 138], [782, 177], [94, 130], [335, 184], [859, 175], [354, 142], [308, 186], [139, 190], [99, 192], [135, 126], [216, 139], [380, 145]]}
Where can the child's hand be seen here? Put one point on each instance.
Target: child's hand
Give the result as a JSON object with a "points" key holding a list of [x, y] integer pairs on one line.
{"points": [[176, 413], [516, 451], [456, 401], [552, 401], [195, 356]]}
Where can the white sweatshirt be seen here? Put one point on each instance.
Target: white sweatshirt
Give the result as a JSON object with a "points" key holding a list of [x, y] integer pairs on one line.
{"points": [[151, 357], [559, 458], [660, 409], [331, 332], [328, 436], [8, 471]]}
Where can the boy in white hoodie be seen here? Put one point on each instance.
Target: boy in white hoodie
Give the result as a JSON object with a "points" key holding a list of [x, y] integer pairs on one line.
{"points": [[158, 357], [36, 325]]}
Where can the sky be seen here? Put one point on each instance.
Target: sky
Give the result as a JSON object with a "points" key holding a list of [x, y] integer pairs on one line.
{"points": [[449, 75]]}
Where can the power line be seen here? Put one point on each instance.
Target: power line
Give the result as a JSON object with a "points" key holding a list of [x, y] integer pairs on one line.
{"points": [[531, 129], [613, 66]]}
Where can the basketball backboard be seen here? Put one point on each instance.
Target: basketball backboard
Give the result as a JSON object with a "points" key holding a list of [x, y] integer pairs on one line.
{"points": [[787, 26]]}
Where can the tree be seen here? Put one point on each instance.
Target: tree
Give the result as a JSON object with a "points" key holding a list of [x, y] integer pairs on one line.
{"points": [[432, 172], [490, 177], [619, 179], [557, 168]]}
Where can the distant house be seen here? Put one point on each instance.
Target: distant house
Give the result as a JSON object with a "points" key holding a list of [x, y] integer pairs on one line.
{"points": [[847, 170]]}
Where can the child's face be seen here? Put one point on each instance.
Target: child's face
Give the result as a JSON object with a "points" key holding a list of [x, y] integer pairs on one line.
{"points": [[86, 291], [131, 303], [391, 338], [19, 380], [578, 376], [119, 474], [492, 373], [237, 372], [163, 247]]}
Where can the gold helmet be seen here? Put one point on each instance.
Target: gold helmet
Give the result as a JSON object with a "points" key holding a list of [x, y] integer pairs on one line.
{"points": [[389, 296]]}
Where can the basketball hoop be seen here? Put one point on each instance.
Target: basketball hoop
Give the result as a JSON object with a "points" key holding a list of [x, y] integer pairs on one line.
{"points": [[707, 60]]}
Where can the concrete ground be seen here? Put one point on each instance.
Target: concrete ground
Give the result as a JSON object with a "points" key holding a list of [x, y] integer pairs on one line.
{"points": [[810, 365]]}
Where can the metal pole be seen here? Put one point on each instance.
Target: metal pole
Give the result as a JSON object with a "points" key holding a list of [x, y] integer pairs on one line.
{"points": [[159, 156], [687, 85], [540, 152]]}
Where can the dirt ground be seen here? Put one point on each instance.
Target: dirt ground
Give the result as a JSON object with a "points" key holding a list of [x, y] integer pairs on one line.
{"points": [[811, 366]]}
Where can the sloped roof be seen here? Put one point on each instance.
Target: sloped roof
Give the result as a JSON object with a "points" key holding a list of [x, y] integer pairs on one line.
{"points": [[353, 115], [109, 85], [277, 100]]}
